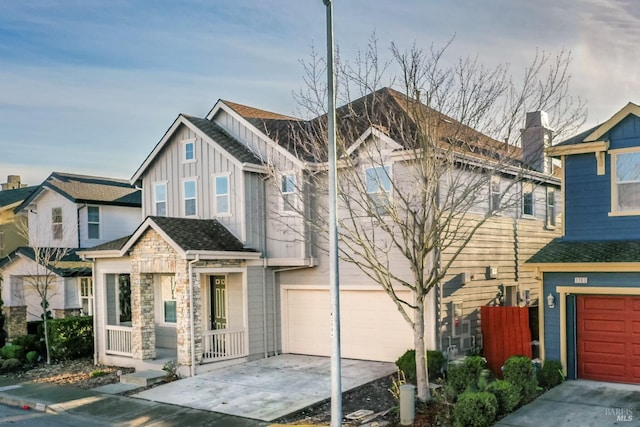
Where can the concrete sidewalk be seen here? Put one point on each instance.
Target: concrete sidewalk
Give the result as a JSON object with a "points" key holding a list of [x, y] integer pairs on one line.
{"points": [[107, 409], [580, 403]]}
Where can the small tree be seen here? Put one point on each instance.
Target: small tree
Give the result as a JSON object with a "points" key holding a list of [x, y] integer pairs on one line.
{"points": [[416, 164]]}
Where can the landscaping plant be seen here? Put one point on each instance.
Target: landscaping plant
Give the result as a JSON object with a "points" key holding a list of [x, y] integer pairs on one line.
{"points": [[475, 409], [506, 395], [551, 374], [518, 370]]}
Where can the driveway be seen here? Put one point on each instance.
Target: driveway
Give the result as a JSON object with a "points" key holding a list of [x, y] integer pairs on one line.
{"points": [[581, 403], [266, 389]]}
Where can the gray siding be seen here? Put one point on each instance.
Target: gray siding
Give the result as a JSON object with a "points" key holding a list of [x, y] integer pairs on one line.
{"points": [[256, 311]]}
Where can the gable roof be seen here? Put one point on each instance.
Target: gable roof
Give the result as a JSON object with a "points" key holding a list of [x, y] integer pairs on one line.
{"points": [[207, 237], [11, 197], [209, 130], [590, 139], [69, 265], [89, 189], [568, 252]]}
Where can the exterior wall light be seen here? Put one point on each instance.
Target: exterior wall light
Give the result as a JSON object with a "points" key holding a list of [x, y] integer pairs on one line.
{"points": [[551, 301]]}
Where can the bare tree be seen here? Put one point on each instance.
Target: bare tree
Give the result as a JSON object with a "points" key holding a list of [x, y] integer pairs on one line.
{"points": [[416, 165]]}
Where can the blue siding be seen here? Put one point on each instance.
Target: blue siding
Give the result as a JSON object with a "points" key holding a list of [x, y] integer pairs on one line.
{"points": [[588, 196], [551, 316]]}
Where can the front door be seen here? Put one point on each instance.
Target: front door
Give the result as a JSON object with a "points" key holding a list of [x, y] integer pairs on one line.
{"points": [[218, 302]]}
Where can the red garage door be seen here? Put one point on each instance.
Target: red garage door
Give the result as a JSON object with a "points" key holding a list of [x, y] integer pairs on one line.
{"points": [[608, 338]]}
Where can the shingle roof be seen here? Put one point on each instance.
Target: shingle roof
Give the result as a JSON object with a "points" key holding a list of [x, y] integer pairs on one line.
{"points": [[64, 264], [9, 197], [116, 244], [226, 141], [562, 252], [90, 189], [577, 139], [199, 234]]}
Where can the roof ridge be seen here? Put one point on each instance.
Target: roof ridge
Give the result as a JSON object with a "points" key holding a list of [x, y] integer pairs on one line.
{"points": [[249, 112]]}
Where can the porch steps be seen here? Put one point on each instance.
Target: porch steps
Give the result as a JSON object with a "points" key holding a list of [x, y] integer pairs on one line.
{"points": [[143, 378]]}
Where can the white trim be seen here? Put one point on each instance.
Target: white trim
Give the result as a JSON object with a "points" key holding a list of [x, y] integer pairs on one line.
{"points": [[532, 215], [183, 150], [184, 199], [372, 131], [154, 202], [99, 223], [296, 193], [214, 197], [614, 182]]}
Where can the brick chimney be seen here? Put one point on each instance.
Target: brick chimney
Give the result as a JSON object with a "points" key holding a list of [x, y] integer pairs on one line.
{"points": [[535, 137], [13, 182]]}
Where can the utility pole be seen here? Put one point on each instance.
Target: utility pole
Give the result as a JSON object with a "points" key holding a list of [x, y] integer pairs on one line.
{"points": [[334, 274]]}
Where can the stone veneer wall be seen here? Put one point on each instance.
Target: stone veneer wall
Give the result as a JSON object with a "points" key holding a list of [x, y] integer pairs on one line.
{"points": [[15, 321], [63, 313]]}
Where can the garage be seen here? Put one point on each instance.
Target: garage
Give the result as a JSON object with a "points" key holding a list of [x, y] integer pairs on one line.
{"points": [[372, 328], [608, 338]]}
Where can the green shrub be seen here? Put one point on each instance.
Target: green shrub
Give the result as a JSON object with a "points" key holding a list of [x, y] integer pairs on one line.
{"points": [[464, 376], [435, 363], [96, 374], [518, 370], [12, 351], [30, 342], [32, 357], [11, 364], [551, 374], [407, 364], [71, 338], [506, 395], [475, 409]]}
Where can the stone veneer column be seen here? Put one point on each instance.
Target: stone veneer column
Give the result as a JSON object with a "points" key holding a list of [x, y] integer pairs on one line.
{"points": [[15, 321], [143, 336], [183, 321]]}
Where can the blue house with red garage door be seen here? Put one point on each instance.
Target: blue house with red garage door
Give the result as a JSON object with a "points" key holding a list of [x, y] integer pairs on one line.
{"points": [[590, 277]]}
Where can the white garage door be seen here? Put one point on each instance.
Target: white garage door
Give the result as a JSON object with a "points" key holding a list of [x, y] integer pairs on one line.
{"points": [[372, 328]]}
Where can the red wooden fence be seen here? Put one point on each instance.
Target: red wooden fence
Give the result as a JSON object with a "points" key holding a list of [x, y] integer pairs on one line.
{"points": [[505, 333]]}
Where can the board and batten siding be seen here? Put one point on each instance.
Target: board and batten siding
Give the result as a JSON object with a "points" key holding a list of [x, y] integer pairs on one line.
{"points": [[256, 302], [169, 167]]}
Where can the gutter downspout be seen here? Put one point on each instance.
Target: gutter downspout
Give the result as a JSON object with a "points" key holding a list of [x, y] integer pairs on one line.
{"points": [[193, 317], [264, 274], [78, 222]]}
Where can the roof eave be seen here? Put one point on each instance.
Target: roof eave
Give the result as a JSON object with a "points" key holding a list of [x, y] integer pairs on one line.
{"points": [[582, 148], [192, 254]]}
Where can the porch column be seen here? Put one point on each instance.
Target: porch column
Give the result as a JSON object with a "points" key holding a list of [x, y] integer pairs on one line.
{"points": [[143, 335], [15, 321], [183, 326]]}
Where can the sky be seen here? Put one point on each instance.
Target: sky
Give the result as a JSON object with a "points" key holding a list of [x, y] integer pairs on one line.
{"points": [[90, 86]]}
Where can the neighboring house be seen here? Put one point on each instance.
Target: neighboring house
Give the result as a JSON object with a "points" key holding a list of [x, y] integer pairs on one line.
{"points": [[10, 224], [222, 269], [589, 277], [64, 213]]}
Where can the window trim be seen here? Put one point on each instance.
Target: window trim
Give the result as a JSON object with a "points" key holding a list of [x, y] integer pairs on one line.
{"points": [[155, 198], [172, 278], [54, 223], [90, 223], [389, 193], [293, 208], [614, 182], [216, 213], [550, 220], [533, 199], [89, 297], [492, 193], [194, 198], [183, 149]]}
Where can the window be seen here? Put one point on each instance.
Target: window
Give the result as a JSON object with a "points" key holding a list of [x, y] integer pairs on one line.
{"points": [[86, 296], [627, 184], [93, 222], [190, 208], [551, 207], [456, 318], [495, 193], [189, 151], [169, 309], [160, 198], [378, 186], [56, 223], [288, 187], [222, 195], [527, 199]]}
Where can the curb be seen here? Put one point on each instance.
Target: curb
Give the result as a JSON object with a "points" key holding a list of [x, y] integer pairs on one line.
{"points": [[9, 400]]}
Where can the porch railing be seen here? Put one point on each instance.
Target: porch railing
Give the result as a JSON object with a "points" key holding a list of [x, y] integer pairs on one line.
{"points": [[119, 340], [223, 344]]}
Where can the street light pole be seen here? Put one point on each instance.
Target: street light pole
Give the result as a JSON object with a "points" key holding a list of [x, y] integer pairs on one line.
{"points": [[334, 276]]}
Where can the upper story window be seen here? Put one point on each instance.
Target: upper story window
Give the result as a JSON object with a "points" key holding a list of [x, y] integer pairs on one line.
{"points": [[188, 150], [551, 207], [190, 205], [288, 188], [221, 199], [495, 193], [93, 222], [626, 187], [378, 186], [160, 198], [528, 203], [56, 223]]}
